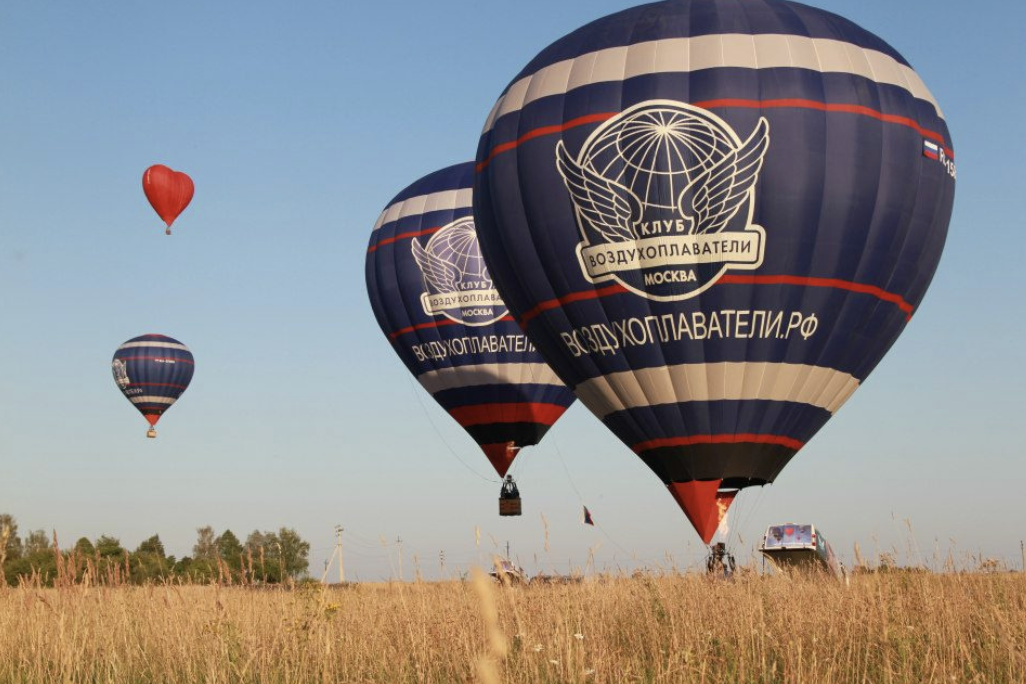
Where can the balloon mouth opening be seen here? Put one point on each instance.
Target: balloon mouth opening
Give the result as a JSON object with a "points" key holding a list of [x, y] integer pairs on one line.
{"points": [[704, 504]]}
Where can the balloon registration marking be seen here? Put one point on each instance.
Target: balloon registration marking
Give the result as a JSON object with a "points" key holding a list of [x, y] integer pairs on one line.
{"points": [[666, 190]]}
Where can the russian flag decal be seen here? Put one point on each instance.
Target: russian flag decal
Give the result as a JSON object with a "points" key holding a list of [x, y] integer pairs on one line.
{"points": [[931, 150]]}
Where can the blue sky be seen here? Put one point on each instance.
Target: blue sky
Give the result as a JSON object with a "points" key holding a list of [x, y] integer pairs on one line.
{"points": [[298, 124]]}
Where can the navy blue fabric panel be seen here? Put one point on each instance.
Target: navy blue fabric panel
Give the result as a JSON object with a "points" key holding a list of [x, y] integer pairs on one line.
{"points": [[681, 19], [664, 421], [503, 394], [738, 465]]}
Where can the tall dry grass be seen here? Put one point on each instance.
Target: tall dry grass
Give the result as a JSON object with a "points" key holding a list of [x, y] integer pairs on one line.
{"points": [[887, 627]]}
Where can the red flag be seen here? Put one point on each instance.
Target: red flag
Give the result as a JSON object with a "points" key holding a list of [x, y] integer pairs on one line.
{"points": [[587, 517]]}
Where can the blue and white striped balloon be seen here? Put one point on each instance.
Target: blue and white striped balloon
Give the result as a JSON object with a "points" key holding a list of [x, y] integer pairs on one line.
{"points": [[713, 219], [152, 371]]}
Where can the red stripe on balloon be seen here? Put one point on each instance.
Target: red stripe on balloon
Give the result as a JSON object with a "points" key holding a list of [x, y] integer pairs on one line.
{"points": [[402, 236], [732, 279], [569, 299], [432, 324], [740, 438], [545, 130], [796, 103], [519, 412], [737, 279], [726, 103]]}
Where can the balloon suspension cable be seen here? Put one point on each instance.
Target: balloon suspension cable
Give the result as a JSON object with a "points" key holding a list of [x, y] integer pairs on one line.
{"points": [[581, 500], [414, 388]]}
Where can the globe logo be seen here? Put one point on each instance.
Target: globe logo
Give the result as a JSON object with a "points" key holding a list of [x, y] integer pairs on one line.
{"points": [[456, 280], [658, 151], [662, 194]]}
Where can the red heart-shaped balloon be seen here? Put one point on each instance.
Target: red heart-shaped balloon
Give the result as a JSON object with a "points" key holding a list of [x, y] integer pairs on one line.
{"points": [[168, 191]]}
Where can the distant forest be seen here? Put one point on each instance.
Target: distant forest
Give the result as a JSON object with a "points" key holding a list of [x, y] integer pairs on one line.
{"points": [[263, 558]]}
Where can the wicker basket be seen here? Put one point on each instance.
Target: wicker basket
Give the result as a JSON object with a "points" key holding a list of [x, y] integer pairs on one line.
{"points": [[509, 506]]}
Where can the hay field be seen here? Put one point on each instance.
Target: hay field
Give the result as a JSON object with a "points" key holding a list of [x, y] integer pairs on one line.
{"points": [[884, 627]]}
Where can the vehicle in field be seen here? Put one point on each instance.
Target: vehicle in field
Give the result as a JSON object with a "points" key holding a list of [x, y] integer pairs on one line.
{"points": [[803, 547]]}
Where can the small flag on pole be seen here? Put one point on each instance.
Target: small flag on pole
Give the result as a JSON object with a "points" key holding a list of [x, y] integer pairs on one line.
{"points": [[587, 517]]}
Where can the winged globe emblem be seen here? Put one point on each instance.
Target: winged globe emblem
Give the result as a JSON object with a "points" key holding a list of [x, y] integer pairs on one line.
{"points": [[652, 189], [456, 280]]}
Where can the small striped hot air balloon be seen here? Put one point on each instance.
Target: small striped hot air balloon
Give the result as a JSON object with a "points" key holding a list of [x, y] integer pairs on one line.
{"points": [[434, 299], [152, 371], [713, 219]]}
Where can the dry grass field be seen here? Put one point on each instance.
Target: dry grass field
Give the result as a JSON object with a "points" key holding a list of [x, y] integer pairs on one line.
{"points": [[884, 627]]}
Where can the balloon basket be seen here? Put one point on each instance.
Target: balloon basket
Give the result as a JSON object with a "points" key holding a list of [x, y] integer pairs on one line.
{"points": [[509, 506], [151, 433]]}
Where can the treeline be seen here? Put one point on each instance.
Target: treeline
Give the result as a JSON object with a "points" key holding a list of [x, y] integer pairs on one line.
{"points": [[263, 558]]}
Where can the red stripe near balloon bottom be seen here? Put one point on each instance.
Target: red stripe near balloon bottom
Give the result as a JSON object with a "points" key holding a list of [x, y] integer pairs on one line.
{"points": [[522, 412], [732, 438]]}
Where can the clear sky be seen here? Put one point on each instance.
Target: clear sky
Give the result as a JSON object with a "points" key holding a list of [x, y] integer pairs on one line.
{"points": [[298, 122]]}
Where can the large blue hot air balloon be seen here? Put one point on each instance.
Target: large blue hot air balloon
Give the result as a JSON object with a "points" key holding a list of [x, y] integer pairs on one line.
{"points": [[713, 219], [433, 298], [152, 371]]}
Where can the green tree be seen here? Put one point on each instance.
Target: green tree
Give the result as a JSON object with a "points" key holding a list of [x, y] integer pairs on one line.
{"points": [[109, 547], [10, 543], [294, 553], [84, 547], [264, 548], [205, 547], [230, 550], [153, 545], [36, 543]]}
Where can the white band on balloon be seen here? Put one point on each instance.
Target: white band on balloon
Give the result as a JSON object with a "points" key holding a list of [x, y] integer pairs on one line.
{"points": [[824, 388], [422, 204], [488, 374], [152, 400], [723, 50]]}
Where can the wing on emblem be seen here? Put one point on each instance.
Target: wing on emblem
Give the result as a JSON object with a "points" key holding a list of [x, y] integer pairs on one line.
{"points": [[715, 196], [439, 273], [610, 208]]}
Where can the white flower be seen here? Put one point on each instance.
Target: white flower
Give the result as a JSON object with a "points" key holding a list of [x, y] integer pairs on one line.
{"points": [[578, 636]]}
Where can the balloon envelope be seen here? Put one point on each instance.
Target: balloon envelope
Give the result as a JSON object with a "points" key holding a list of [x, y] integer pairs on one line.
{"points": [[152, 371], [168, 191], [433, 298], [713, 219]]}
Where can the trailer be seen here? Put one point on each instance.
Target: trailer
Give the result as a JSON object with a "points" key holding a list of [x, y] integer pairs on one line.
{"points": [[800, 547]]}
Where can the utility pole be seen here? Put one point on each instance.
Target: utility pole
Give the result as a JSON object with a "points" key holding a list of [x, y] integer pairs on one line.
{"points": [[338, 549], [399, 543], [507, 549]]}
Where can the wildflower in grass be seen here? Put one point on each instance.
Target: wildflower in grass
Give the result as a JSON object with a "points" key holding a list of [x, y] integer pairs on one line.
{"points": [[579, 636]]}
